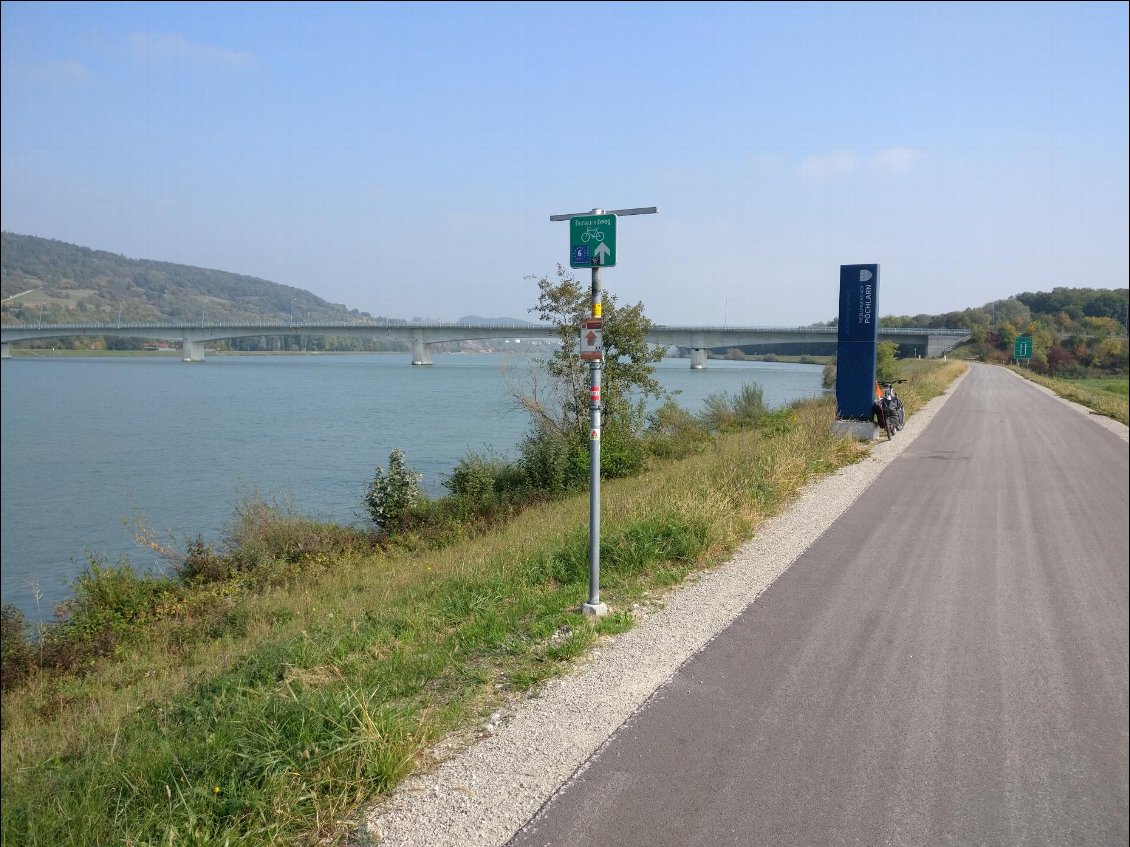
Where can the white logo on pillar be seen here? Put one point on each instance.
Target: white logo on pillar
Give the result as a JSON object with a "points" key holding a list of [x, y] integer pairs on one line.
{"points": [[864, 275]]}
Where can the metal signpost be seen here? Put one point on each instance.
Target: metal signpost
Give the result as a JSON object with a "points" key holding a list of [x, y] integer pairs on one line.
{"points": [[592, 244], [1022, 348]]}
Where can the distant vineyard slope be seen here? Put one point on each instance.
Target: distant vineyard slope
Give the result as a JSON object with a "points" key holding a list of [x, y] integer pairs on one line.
{"points": [[55, 282]]}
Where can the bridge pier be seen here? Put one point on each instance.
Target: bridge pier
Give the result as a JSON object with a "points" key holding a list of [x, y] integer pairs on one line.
{"points": [[5, 352], [698, 358], [936, 346], [193, 350], [421, 355]]}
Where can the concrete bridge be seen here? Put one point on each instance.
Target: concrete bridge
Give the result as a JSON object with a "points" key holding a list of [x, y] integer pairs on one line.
{"points": [[697, 339]]}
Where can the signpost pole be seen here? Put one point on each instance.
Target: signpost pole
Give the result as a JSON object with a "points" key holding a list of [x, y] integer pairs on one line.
{"points": [[594, 606], [592, 244]]}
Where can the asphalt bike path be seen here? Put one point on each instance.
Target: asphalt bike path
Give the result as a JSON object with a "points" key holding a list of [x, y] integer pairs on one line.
{"points": [[947, 664]]}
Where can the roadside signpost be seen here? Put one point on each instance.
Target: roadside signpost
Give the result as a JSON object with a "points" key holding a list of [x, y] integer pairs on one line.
{"points": [[1022, 347], [592, 244]]}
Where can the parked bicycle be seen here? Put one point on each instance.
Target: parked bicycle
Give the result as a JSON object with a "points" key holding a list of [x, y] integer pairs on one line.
{"points": [[888, 408]]}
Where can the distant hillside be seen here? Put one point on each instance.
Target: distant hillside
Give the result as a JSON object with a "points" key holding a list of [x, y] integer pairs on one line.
{"points": [[63, 283], [1065, 308]]}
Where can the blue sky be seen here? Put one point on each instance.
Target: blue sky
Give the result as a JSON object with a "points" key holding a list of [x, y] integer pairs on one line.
{"points": [[404, 159]]}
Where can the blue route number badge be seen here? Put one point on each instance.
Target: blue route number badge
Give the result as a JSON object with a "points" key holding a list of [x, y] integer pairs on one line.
{"points": [[581, 254]]}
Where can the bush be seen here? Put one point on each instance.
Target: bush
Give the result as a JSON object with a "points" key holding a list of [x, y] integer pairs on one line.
{"points": [[622, 454], [111, 606], [885, 368], [674, 433], [549, 462], [264, 533], [16, 657], [485, 477], [202, 564], [392, 493], [724, 412], [828, 378]]}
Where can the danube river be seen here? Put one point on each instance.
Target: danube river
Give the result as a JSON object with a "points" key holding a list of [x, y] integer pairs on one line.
{"points": [[88, 441]]}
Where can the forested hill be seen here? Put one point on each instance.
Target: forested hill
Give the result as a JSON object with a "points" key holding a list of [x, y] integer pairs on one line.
{"points": [[63, 283], [1068, 309]]}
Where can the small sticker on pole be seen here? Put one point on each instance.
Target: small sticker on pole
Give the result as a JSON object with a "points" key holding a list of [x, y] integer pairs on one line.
{"points": [[592, 341]]}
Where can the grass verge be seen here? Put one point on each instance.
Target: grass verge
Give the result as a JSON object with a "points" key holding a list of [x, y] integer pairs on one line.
{"points": [[1106, 397], [322, 690]]}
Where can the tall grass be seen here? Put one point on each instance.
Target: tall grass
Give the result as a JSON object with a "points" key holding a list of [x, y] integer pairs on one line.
{"points": [[331, 684]]}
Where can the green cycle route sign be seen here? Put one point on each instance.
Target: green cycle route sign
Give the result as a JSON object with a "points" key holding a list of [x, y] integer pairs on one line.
{"points": [[1022, 347], [592, 241]]}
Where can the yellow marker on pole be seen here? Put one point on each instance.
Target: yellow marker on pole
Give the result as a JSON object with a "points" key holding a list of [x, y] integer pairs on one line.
{"points": [[596, 309]]}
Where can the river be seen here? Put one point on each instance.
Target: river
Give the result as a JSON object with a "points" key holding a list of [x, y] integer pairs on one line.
{"points": [[87, 441]]}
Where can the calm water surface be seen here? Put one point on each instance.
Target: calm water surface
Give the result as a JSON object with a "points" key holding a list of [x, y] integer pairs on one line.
{"points": [[87, 441]]}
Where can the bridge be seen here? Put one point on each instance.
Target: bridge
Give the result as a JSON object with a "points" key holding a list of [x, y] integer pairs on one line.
{"points": [[698, 339]]}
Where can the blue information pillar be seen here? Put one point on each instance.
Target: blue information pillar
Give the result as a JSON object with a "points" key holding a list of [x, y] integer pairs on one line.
{"points": [[859, 333]]}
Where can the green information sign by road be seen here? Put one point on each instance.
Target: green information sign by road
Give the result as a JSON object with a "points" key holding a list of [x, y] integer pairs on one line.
{"points": [[592, 241], [1022, 347]]}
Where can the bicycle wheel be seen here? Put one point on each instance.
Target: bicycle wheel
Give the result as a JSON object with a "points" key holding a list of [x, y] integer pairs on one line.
{"points": [[888, 421]]}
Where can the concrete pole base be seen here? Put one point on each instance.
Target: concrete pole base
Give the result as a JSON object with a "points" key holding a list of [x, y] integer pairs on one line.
{"points": [[594, 610], [862, 430]]}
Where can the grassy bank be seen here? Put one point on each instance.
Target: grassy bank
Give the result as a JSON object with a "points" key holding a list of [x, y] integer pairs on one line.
{"points": [[1104, 396], [265, 710]]}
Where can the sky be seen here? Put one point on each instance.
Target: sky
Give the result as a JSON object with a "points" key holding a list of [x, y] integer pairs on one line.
{"points": [[404, 158]]}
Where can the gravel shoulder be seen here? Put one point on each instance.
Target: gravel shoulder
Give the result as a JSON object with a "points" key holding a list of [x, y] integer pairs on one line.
{"points": [[482, 795]]}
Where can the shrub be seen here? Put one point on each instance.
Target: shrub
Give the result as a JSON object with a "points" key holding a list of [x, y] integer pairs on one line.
{"points": [[548, 462], [828, 378], [673, 432], [485, 477], [16, 657], [392, 493], [724, 412], [885, 368], [622, 454], [111, 606], [264, 532], [202, 564]]}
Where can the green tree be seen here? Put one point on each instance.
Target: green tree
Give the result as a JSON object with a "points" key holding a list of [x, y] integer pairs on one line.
{"points": [[885, 361], [628, 373], [1006, 336], [555, 454]]}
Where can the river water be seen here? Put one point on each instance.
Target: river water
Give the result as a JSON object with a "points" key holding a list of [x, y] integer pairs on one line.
{"points": [[87, 441]]}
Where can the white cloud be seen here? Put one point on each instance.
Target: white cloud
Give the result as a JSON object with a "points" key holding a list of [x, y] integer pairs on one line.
{"points": [[829, 164], [893, 160], [153, 46]]}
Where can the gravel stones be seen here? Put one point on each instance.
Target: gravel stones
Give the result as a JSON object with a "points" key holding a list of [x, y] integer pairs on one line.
{"points": [[485, 793]]}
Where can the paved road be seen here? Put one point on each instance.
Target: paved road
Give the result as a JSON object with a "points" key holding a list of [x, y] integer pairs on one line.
{"points": [[946, 665]]}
